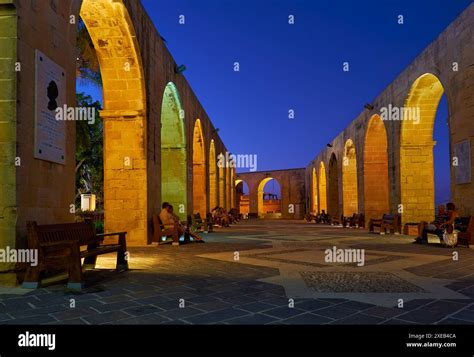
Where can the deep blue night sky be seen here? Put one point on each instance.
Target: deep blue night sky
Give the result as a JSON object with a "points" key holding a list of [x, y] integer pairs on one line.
{"points": [[298, 67]]}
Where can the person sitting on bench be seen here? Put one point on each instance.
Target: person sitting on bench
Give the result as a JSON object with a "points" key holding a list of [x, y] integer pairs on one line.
{"points": [[170, 220], [323, 217], [443, 219]]}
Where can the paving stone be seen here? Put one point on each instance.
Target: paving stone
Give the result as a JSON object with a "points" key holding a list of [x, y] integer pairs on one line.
{"points": [[335, 312], [467, 315], [257, 307], [254, 319], [358, 319], [307, 319], [432, 313], [30, 320], [105, 317], [212, 306], [116, 306], [384, 312], [180, 313], [72, 314], [216, 316], [311, 304], [142, 310], [151, 319], [283, 312]]}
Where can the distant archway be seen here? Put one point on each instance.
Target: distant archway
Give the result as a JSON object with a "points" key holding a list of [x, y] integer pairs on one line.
{"points": [[375, 169], [416, 149], [268, 204], [314, 192], [333, 187], [199, 171], [322, 188], [213, 189], [349, 179], [173, 151]]}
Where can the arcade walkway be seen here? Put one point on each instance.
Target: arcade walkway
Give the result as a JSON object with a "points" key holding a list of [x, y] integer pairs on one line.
{"points": [[277, 261]]}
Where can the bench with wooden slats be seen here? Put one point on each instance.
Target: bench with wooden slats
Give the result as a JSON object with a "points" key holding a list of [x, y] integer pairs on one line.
{"points": [[163, 235], [59, 247]]}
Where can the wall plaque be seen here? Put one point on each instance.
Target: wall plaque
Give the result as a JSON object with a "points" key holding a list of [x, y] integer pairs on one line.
{"points": [[50, 93]]}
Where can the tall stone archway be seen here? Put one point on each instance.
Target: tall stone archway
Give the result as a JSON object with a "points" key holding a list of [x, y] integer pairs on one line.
{"points": [[349, 179], [199, 171], [322, 187], [173, 151], [376, 189], [125, 175], [314, 191], [213, 189], [222, 195], [416, 149], [333, 187]]}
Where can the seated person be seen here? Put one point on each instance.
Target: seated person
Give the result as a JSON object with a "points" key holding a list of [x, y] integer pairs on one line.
{"points": [[442, 220], [323, 217], [171, 220]]}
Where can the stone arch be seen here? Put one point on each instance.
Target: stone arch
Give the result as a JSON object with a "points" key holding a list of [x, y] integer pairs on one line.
{"points": [[221, 180], [376, 186], [199, 171], [232, 188], [242, 205], [213, 186], [416, 149], [125, 165], [333, 187], [322, 188], [349, 179], [314, 192], [228, 187], [173, 151], [260, 192]]}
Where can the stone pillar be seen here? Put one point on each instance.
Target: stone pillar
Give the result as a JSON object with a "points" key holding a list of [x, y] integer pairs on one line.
{"points": [[417, 182], [125, 174], [8, 214]]}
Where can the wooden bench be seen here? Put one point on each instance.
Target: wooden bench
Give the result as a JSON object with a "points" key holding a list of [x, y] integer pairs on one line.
{"points": [[466, 234], [59, 247], [357, 220], [198, 224], [170, 235], [390, 222]]}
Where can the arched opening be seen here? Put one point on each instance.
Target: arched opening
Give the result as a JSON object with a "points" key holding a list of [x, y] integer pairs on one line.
{"points": [[269, 198], [232, 188], [199, 171], [322, 188], [333, 189], [221, 166], [417, 183], [375, 169], [349, 179], [213, 189], [314, 192], [227, 187], [242, 196], [123, 94], [173, 151]]}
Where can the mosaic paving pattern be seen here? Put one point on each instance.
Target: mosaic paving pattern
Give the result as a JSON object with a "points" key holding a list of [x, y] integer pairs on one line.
{"points": [[341, 282]]}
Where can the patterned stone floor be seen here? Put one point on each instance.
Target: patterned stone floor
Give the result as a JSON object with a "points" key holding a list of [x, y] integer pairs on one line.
{"points": [[264, 272]]}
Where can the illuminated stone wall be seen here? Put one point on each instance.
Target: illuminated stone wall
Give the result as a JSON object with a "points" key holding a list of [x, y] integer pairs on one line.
{"points": [[136, 67], [406, 170]]}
